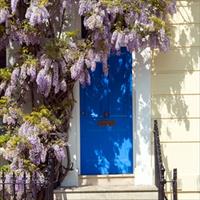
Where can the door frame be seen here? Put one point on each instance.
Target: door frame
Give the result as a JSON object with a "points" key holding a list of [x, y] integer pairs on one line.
{"points": [[127, 133], [143, 154]]}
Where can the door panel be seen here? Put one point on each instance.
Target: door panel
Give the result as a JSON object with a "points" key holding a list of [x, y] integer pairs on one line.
{"points": [[106, 119]]}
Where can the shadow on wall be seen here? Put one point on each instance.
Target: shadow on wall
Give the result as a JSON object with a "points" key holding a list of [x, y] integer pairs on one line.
{"points": [[171, 97], [180, 61]]}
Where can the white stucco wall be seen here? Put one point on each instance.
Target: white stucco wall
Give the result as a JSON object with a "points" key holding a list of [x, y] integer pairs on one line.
{"points": [[176, 99]]}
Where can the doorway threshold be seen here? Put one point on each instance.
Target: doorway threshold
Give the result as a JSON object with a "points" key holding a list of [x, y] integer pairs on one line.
{"points": [[106, 180]]}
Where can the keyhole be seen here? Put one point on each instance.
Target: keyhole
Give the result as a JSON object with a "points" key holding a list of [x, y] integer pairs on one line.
{"points": [[106, 114]]}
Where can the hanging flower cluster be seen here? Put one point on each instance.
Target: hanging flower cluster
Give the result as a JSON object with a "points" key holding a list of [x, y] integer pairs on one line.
{"points": [[49, 59], [27, 141], [112, 24]]}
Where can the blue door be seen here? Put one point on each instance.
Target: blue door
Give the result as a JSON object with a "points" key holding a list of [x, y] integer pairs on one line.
{"points": [[106, 119]]}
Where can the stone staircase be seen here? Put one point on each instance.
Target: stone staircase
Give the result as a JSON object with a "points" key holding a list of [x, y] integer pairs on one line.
{"points": [[124, 192]]}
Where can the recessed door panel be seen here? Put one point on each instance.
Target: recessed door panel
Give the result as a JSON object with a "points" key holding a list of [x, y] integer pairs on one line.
{"points": [[106, 119]]}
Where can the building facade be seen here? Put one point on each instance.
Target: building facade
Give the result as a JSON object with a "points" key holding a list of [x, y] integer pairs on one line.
{"points": [[165, 87], [176, 101]]}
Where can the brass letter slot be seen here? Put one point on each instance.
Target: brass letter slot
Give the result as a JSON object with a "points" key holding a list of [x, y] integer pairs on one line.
{"points": [[106, 123]]}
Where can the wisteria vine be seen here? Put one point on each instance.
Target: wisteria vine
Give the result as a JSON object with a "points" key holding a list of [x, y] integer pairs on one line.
{"points": [[49, 59]]}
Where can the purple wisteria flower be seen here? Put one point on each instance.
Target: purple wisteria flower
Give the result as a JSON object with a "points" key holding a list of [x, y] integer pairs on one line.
{"points": [[133, 41], [41, 80], [40, 178], [90, 60], [8, 181], [11, 153], [120, 41], [45, 122], [84, 78], [100, 18], [172, 7], [4, 14], [9, 90], [55, 81], [37, 14], [131, 17], [77, 68], [19, 183], [164, 40], [59, 152], [85, 6], [67, 4], [15, 76], [19, 186], [63, 67], [114, 36], [22, 36], [143, 18], [23, 74], [11, 117], [14, 5], [63, 85], [3, 86], [31, 71], [94, 21], [153, 40], [14, 164], [45, 61], [44, 82], [23, 130], [12, 112], [27, 129], [37, 153], [130, 39], [48, 84], [7, 119]]}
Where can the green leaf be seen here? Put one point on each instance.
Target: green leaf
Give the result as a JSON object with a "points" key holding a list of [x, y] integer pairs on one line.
{"points": [[4, 139], [5, 74], [5, 168]]}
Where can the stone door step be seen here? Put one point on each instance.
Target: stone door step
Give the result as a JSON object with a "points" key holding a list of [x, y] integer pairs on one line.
{"points": [[107, 193]]}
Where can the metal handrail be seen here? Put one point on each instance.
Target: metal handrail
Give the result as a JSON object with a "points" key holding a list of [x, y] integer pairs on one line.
{"points": [[160, 179]]}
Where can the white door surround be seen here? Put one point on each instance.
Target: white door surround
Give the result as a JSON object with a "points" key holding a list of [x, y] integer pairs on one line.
{"points": [[143, 149]]}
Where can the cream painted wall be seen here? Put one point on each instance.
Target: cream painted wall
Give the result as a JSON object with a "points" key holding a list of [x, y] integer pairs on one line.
{"points": [[176, 99]]}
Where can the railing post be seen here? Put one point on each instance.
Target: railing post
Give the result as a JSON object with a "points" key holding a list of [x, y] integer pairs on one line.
{"points": [[163, 182], [49, 173], [13, 185], [33, 185], [24, 179], [159, 168], [156, 154], [3, 178], [174, 184]]}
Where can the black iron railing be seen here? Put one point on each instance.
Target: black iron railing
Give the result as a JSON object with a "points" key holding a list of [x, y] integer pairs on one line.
{"points": [[29, 186], [160, 179], [10, 190]]}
